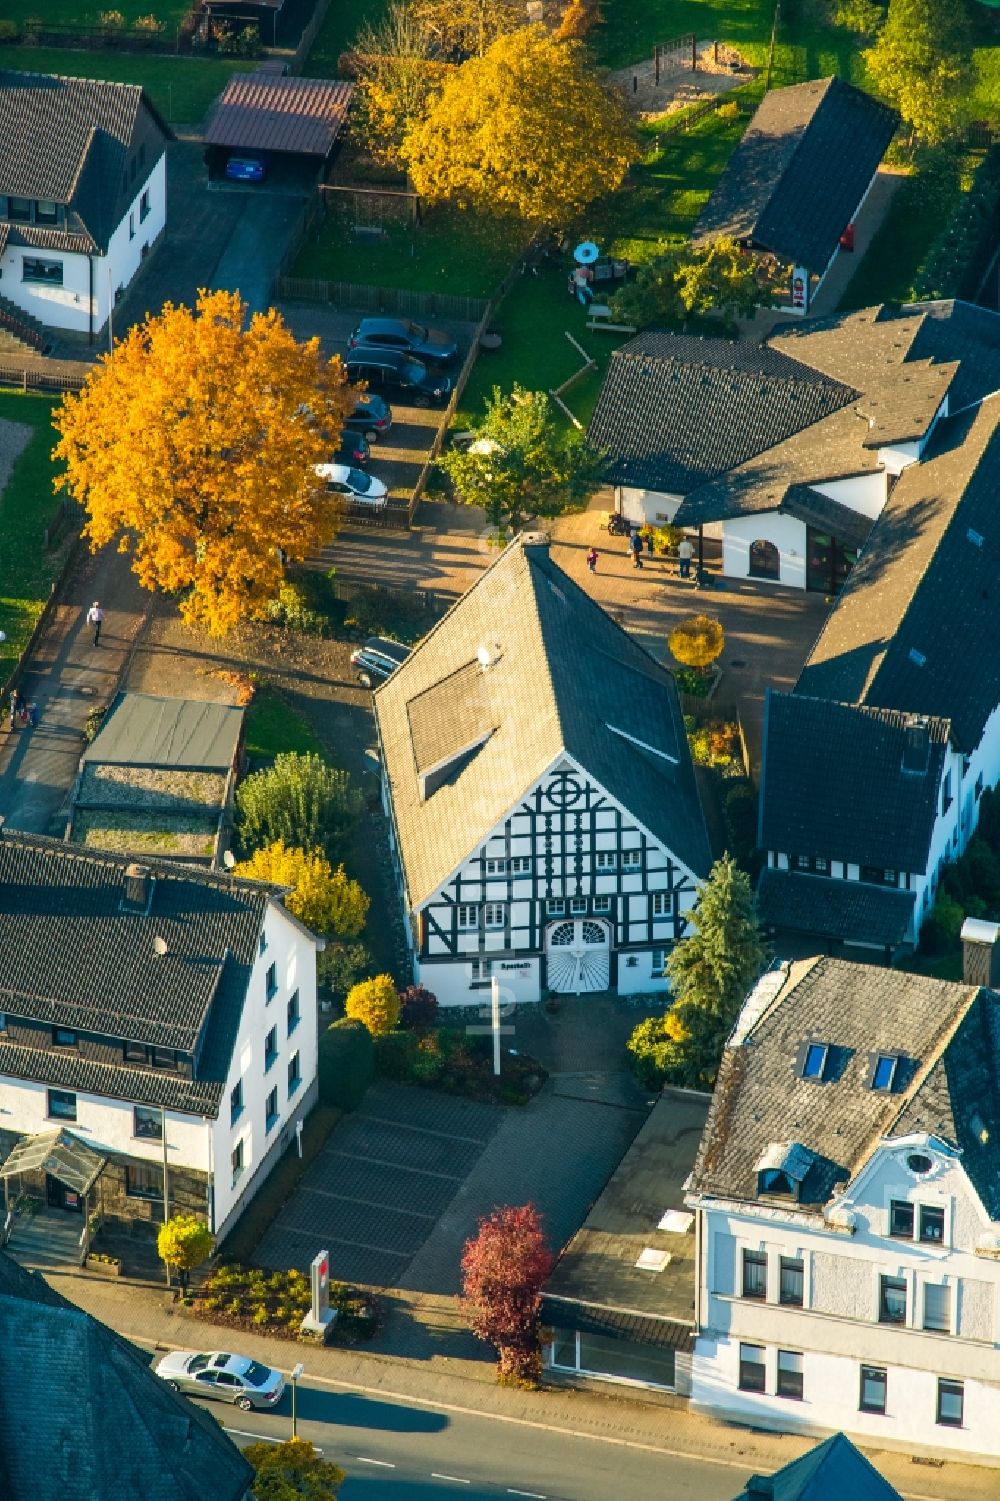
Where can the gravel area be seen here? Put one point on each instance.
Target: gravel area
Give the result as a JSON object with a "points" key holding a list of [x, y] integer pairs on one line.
{"points": [[136, 833], [149, 787], [14, 439]]}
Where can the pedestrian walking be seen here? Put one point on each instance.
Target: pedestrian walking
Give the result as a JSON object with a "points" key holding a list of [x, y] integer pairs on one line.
{"points": [[581, 285], [33, 714], [685, 553], [16, 708], [592, 557], [95, 617], [635, 542], [649, 541]]}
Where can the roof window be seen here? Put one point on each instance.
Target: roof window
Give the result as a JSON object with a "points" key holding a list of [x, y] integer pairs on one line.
{"points": [[814, 1062], [976, 538], [884, 1070], [917, 657], [782, 1168]]}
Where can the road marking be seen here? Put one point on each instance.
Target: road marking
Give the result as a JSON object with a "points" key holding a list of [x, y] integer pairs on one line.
{"points": [[407, 1399], [533, 1494], [383, 1463], [457, 1479], [262, 1438]]}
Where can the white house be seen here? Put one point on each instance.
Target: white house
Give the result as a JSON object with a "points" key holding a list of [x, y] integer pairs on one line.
{"points": [[848, 1195], [785, 453], [545, 823], [83, 199], [162, 1018]]}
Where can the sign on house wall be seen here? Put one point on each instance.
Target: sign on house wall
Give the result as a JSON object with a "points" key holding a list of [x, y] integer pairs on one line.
{"points": [[800, 289]]}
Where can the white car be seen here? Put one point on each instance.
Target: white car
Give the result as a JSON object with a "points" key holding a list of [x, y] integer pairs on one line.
{"points": [[353, 484], [230, 1378]]}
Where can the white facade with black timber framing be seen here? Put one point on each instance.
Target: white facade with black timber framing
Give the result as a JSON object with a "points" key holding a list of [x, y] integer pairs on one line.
{"points": [[545, 824]]}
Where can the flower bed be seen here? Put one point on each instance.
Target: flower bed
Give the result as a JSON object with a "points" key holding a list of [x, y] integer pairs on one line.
{"points": [[449, 1058], [240, 1297]]}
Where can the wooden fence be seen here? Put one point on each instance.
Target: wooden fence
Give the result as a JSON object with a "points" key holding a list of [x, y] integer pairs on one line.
{"points": [[42, 377], [309, 35], [351, 589], [75, 34], [402, 300]]}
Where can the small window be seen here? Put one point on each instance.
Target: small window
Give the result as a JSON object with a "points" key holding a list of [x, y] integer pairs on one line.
{"points": [[765, 560], [46, 212], [606, 860], [292, 1012], [884, 1072], [520, 865], [494, 915], [19, 210], [919, 1163], [937, 1308], [932, 1224], [950, 1403], [294, 1074], [236, 1160], [164, 1058], [791, 1282], [892, 1300], [602, 904], [62, 1037], [555, 907], [753, 1375], [147, 1122], [271, 982], [49, 273], [135, 1052], [815, 1060], [61, 1105], [821, 865], [466, 917], [917, 657], [144, 1182], [873, 1388], [631, 859], [131, 226], [776, 1184], [663, 903], [578, 906], [480, 969], [262, 944], [495, 867], [754, 1274], [270, 1048], [802, 862], [659, 961], [271, 1110], [790, 1374], [901, 1220], [144, 206], [236, 1102]]}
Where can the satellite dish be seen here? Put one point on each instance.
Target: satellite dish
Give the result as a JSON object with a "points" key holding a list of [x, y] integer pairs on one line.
{"points": [[586, 253], [160, 945], [3, 635], [229, 859]]}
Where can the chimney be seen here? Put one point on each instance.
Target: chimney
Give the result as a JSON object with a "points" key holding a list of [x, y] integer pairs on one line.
{"points": [[980, 953], [916, 744], [760, 1488], [138, 888]]}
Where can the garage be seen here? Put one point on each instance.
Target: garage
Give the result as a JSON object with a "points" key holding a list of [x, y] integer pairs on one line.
{"points": [[270, 132]]}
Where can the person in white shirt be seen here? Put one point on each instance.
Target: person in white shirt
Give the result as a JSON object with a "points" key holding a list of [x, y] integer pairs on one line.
{"points": [[95, 617], [685, 552]]}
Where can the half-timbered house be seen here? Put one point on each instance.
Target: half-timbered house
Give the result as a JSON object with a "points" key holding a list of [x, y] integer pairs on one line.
{"points": [[545, 824]]}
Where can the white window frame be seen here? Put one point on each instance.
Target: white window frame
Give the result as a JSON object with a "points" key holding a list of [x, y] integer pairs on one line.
{"points": [[555, 906], [602, 904], [494, 916], [631, 859], [494, 866], [923, 1283], [658, 960], [606, 860], [520, 865], [663, 904], [578, 906], [467, 917]]}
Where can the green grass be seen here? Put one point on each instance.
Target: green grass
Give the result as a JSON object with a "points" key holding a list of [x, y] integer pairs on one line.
{"points": [[26, 508], [337, 35], [631, 30], [71, 13], [450, 252], [182, 88], [274, 726]]}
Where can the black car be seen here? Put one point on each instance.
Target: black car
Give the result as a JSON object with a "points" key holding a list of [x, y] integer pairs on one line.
{"points": [[353, 451], [390, 370], [371, 417], [377, 660], [430, 345]]}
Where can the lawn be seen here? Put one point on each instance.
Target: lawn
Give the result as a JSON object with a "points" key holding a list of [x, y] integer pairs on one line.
{"points": [[71, 13], [182, 88], [26, 508], [337, 35], [273, 726]]}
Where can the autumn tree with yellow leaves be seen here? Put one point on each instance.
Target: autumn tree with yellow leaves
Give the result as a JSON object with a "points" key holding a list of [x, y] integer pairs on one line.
{"points": [[195, 445], [525, 130]]}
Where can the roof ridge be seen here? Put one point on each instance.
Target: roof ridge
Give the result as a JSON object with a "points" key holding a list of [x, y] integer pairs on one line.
{"points": [[158, 866]]}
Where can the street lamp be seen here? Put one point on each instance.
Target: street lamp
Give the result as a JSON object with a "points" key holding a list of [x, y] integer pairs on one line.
{"points": [[296, 1374]]}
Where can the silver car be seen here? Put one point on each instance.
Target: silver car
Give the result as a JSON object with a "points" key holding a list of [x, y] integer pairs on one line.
{"points": [[231, 1378]]}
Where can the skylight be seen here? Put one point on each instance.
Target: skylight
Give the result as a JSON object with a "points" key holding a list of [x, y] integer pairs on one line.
{"points": [[652, 1260], [884, 1072], [976, 538], [917, 657], [815, 1060], [677, 1221]]}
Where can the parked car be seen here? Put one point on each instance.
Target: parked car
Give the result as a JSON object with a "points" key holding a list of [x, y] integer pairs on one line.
{"points": [[377, 660], [430, 345], [246, 166], [353, 484], [353, 450], [392, 370], [371, 417], [230, 1378]]}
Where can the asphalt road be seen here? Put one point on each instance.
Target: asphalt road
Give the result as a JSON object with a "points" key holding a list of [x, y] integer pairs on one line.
{"points": [[395, 1452]]}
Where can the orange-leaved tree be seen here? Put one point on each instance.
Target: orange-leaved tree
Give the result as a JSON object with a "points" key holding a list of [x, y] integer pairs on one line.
{"points": [[195, 445]]}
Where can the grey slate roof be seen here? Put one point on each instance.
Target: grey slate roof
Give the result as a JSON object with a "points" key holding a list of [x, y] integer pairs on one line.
{"points": [[871, 810], [831, 1471], [827, 515], [947, 1034], [69, 140], [926, 584], [83, 1418], [675, 411], [270, 112], [797, 177], [563, 673], [797, 902], [184, 734]]}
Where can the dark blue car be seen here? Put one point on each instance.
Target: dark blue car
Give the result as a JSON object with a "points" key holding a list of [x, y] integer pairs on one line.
{"points": [[246, 166]]}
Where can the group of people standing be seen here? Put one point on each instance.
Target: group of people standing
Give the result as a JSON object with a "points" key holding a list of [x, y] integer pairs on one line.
{"points": [[685, 552]]}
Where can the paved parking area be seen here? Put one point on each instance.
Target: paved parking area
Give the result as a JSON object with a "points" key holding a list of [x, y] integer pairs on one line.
{"points": [[385, 1177]]}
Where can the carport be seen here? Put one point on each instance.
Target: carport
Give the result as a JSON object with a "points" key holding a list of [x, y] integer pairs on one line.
{"points": [[292, 124]]}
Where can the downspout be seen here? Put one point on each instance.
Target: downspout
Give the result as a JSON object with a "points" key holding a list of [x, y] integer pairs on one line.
{"points": [[90, 299], [166, 1181], [698, 1248]]}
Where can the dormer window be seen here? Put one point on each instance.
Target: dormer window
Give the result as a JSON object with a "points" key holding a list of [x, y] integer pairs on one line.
{"points": [[884, 1072], [782, 1169], [775, 1184], [814, 1062]]}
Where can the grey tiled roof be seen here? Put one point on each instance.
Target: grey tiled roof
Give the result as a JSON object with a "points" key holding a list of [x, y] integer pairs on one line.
{"points": [[871, 810], [69, 140], [803, 165], [858, 1010], [915, 627], [89, 1420], [73, 957], [826, 515], [796, 902], [563, 673], [676, 411], [829, 1472], [139, 1086]]}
